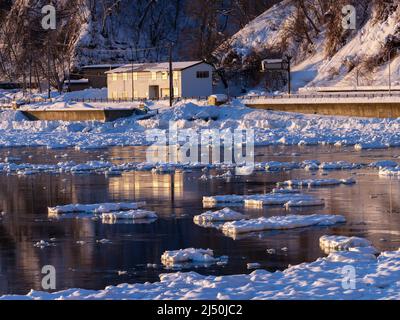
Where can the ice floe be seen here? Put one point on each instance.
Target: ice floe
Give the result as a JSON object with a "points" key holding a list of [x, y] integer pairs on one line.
{"points": [[277, 197], [190, 257], [389, 171], [342, 243], [95, 208], [129, 215], [225, 214], [316, 182], [280, 223]]}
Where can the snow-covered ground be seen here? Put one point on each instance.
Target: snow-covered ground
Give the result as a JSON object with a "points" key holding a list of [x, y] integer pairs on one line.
{"points": [[325, 278]]}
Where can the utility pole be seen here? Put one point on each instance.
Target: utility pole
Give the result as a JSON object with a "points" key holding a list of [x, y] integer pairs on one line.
{"points": [[390, 72], [289, 61], [171, 78], [48, 67], [133, 86]]}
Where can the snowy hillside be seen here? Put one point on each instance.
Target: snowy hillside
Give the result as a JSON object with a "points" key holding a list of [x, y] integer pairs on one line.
{"points": [[324, 53]]}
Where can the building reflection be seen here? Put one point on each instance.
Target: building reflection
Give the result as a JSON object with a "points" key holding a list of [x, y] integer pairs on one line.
{"points": [[147, 185]]}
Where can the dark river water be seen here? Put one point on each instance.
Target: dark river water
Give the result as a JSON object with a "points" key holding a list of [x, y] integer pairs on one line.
{"points": [[372, 208]]}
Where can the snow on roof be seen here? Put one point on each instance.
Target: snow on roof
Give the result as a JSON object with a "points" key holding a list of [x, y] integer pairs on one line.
{"points": [[77, 81], [154, 67], [102, 66], [273, 60]]}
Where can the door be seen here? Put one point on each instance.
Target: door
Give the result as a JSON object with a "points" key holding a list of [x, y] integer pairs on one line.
{"points": [[154, 92]]}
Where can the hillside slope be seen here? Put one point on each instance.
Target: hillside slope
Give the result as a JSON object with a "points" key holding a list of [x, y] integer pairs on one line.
{"points": [[325, 54]]}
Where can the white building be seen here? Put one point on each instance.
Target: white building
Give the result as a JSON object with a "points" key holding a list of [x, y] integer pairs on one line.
{"points": [[151, 80]]}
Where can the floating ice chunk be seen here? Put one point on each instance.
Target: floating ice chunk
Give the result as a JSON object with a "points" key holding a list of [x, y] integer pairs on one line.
{"points": [[343, 243], [280, 223], [129, 215], [43, 244], [223, 199], [315, 182], [287, 200], [305, 203], [190, 255], [389, 172], [384, 164], [279, 166], [252, 266], [339, 165], [104, 241], [225, 214], [95, 208]]}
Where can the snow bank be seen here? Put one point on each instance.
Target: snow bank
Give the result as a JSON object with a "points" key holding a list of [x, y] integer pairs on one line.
{"points": [[280, 223], [129, 215], [95, 208], [270, 128], [377, 278], [225, 214]]}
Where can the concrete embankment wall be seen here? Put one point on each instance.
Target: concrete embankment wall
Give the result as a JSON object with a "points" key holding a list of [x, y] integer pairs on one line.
{"points": [[370, 109], [78, 115]]}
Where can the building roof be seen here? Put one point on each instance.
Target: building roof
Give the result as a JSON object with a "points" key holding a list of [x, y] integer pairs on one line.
{"points": [[155, 67]]}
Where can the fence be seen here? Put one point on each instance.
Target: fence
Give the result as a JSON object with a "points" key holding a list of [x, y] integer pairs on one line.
{"points": [[9, 103], [6, 103]]}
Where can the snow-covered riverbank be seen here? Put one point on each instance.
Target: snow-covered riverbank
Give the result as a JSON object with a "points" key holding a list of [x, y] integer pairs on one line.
{"points": [[271, 128], [376, 278]]}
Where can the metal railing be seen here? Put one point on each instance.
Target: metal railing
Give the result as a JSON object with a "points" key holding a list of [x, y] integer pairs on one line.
{"points": [[323, 96]]}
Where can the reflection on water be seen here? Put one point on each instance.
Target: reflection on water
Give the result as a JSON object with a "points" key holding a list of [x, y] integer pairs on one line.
{"points": [[372, 208]]}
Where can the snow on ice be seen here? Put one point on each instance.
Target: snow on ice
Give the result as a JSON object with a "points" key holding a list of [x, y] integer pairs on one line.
{"points": [[225, 214], [190, 257], [280, 223], [129, 215], [341, 243], [316, 182], [95, 208], [277, 197]]}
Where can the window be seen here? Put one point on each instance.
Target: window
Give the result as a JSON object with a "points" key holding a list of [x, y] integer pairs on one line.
{"points": [[176, 75], [135, 94], [135, 76], [114, 95], [154, 76], [114, 77], [176, 91], [203, 74], [125, 76], [165, 75]]}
